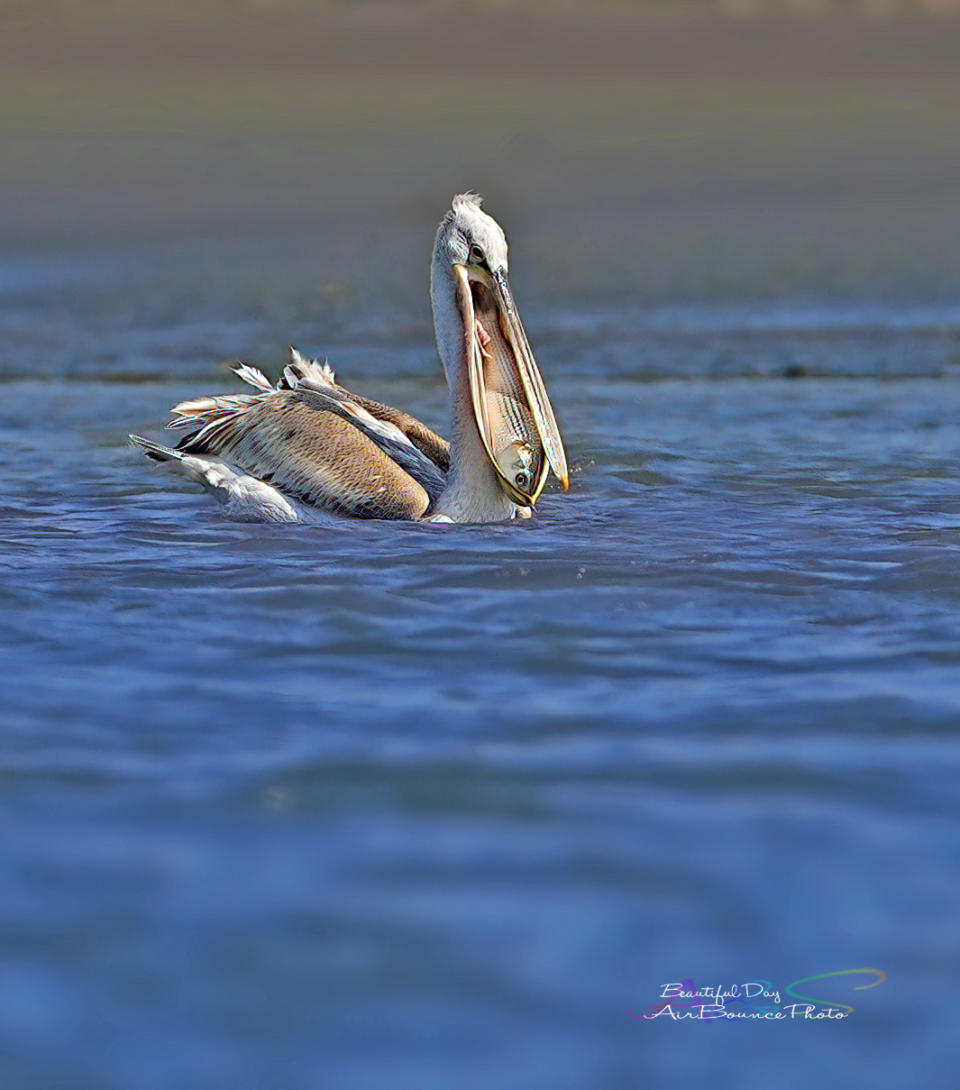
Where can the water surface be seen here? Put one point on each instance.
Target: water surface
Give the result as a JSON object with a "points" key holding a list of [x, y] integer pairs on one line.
{"points": [[386, 805]]}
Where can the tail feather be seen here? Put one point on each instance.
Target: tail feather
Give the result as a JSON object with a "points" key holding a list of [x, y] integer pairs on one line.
{"points": [[244, 496], [211, 474], [157, 451]]}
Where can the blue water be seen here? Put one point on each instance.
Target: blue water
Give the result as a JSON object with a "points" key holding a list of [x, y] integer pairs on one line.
{"points": [[399, 806]]}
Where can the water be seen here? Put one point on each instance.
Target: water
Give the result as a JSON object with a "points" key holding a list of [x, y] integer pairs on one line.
{"points": [[389, 805]]}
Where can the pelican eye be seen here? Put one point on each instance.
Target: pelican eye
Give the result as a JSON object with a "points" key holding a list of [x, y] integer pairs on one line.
{"points": [[521, 480], [476, 256]]}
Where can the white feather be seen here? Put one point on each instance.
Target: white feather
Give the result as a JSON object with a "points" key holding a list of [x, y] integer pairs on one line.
{"points": [[253, 376], [197, 409], [243, 496], [312, 372]]}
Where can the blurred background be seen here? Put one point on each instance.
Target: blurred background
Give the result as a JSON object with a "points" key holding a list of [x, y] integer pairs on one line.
{"points": [[379, 806], [657, 150]]}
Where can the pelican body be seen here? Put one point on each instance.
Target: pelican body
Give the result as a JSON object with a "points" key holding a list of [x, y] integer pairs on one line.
{"points": [[307, 447]]}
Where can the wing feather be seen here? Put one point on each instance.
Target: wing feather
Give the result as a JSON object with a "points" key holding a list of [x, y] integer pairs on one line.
{"points": [[302, 373], [290, 439], [388, 437]]}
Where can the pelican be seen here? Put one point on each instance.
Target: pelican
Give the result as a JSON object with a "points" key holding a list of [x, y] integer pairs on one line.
{"points": [[307, 446]]}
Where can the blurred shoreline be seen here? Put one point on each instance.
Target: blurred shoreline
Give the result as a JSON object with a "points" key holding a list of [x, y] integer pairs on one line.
{"points": [[645, 151], [739, 38]]}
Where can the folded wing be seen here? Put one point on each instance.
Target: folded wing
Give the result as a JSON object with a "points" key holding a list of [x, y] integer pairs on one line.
{"points": [[313, 440]]}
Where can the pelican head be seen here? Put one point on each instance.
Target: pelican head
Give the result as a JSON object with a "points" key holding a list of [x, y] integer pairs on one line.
{"points": [[505, 435]]}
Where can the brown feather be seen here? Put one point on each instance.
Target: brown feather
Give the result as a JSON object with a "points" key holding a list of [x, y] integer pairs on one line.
{"points": [[434, 446], [311, 453]]}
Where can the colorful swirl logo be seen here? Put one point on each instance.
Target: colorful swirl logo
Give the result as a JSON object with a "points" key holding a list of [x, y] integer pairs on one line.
{"points": [[878, 973]]}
